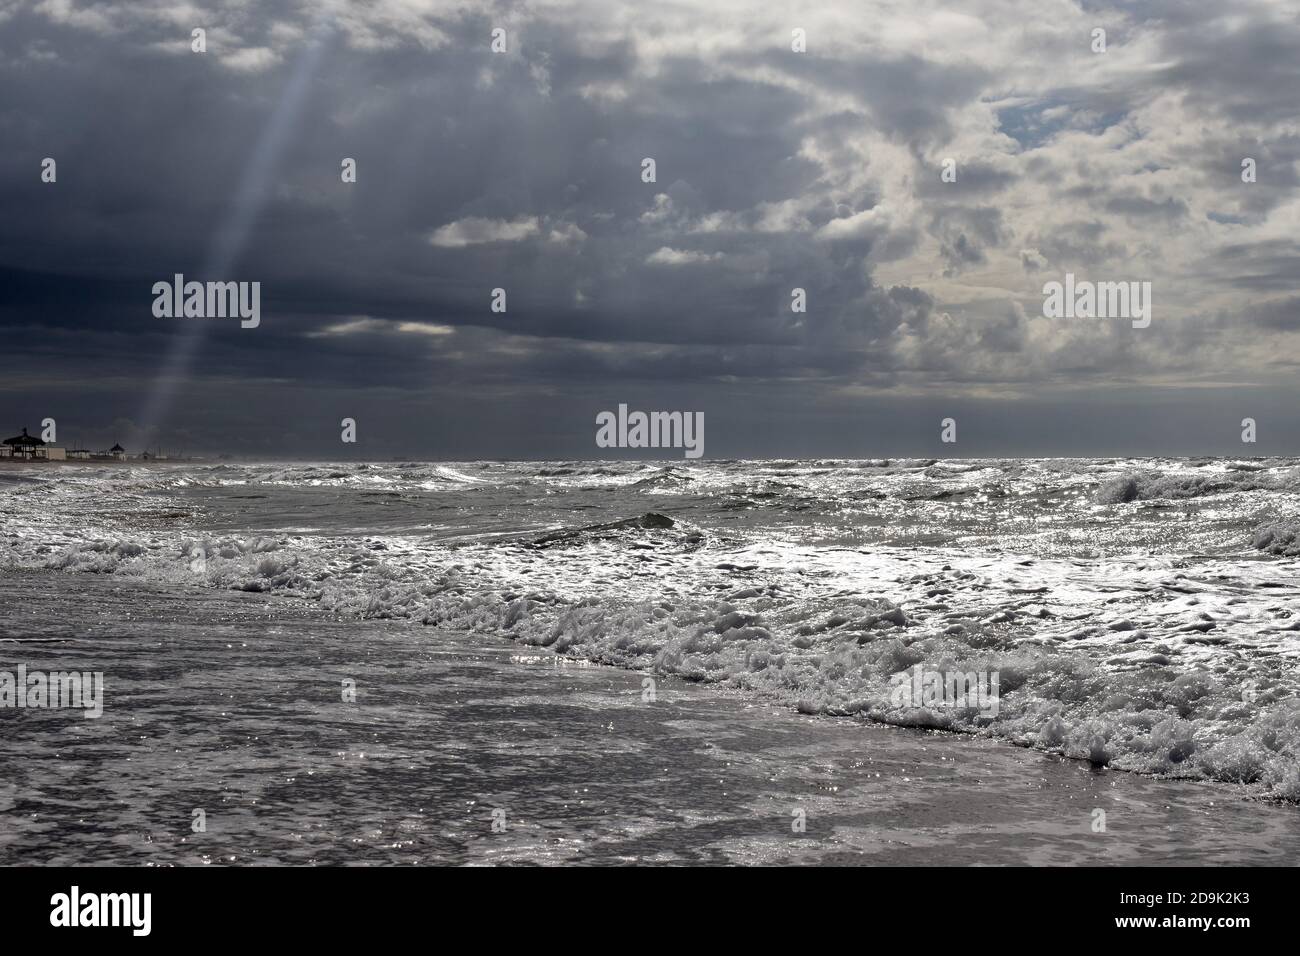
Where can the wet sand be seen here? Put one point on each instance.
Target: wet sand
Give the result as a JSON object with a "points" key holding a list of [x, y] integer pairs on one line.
{"points": [[231, 703]]}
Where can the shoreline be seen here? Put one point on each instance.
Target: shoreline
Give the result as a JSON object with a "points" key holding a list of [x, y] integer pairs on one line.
{"points": [[242, 716]]}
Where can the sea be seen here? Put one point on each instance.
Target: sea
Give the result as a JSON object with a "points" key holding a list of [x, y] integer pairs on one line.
{"points": [[639, 661]]}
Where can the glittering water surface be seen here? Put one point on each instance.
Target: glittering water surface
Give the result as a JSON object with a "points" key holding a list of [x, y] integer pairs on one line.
{"points": [[1140, 613], [231, 703]]}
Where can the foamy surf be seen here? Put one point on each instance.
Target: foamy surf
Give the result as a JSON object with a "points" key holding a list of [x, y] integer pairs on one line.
{"points": [[1140, 614]]}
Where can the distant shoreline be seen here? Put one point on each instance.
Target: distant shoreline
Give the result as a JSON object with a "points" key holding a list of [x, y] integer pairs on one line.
{"points": [[46, 463]]}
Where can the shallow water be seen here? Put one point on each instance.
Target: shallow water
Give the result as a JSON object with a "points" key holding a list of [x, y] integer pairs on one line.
{"points": [[231, 703]]}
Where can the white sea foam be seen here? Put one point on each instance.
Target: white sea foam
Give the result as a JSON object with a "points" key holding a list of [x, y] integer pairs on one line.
{"points": [[1161, 640]]}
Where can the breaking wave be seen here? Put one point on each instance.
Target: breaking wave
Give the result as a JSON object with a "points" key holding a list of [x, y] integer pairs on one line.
{"points": [[1151, 486]]}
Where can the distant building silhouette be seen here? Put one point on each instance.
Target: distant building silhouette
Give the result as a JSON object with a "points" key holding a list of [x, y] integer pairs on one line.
{"points": [[30, 446]]}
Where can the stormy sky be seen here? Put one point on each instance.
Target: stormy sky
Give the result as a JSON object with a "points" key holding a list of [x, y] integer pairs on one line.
{"points": [[775, 170]]}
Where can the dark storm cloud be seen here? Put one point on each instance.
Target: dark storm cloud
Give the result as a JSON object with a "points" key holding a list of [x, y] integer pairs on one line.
{"points": [[522, 171]]}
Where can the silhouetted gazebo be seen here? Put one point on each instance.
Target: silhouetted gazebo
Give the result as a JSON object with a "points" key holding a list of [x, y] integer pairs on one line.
{"points": [[24, 445]]}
